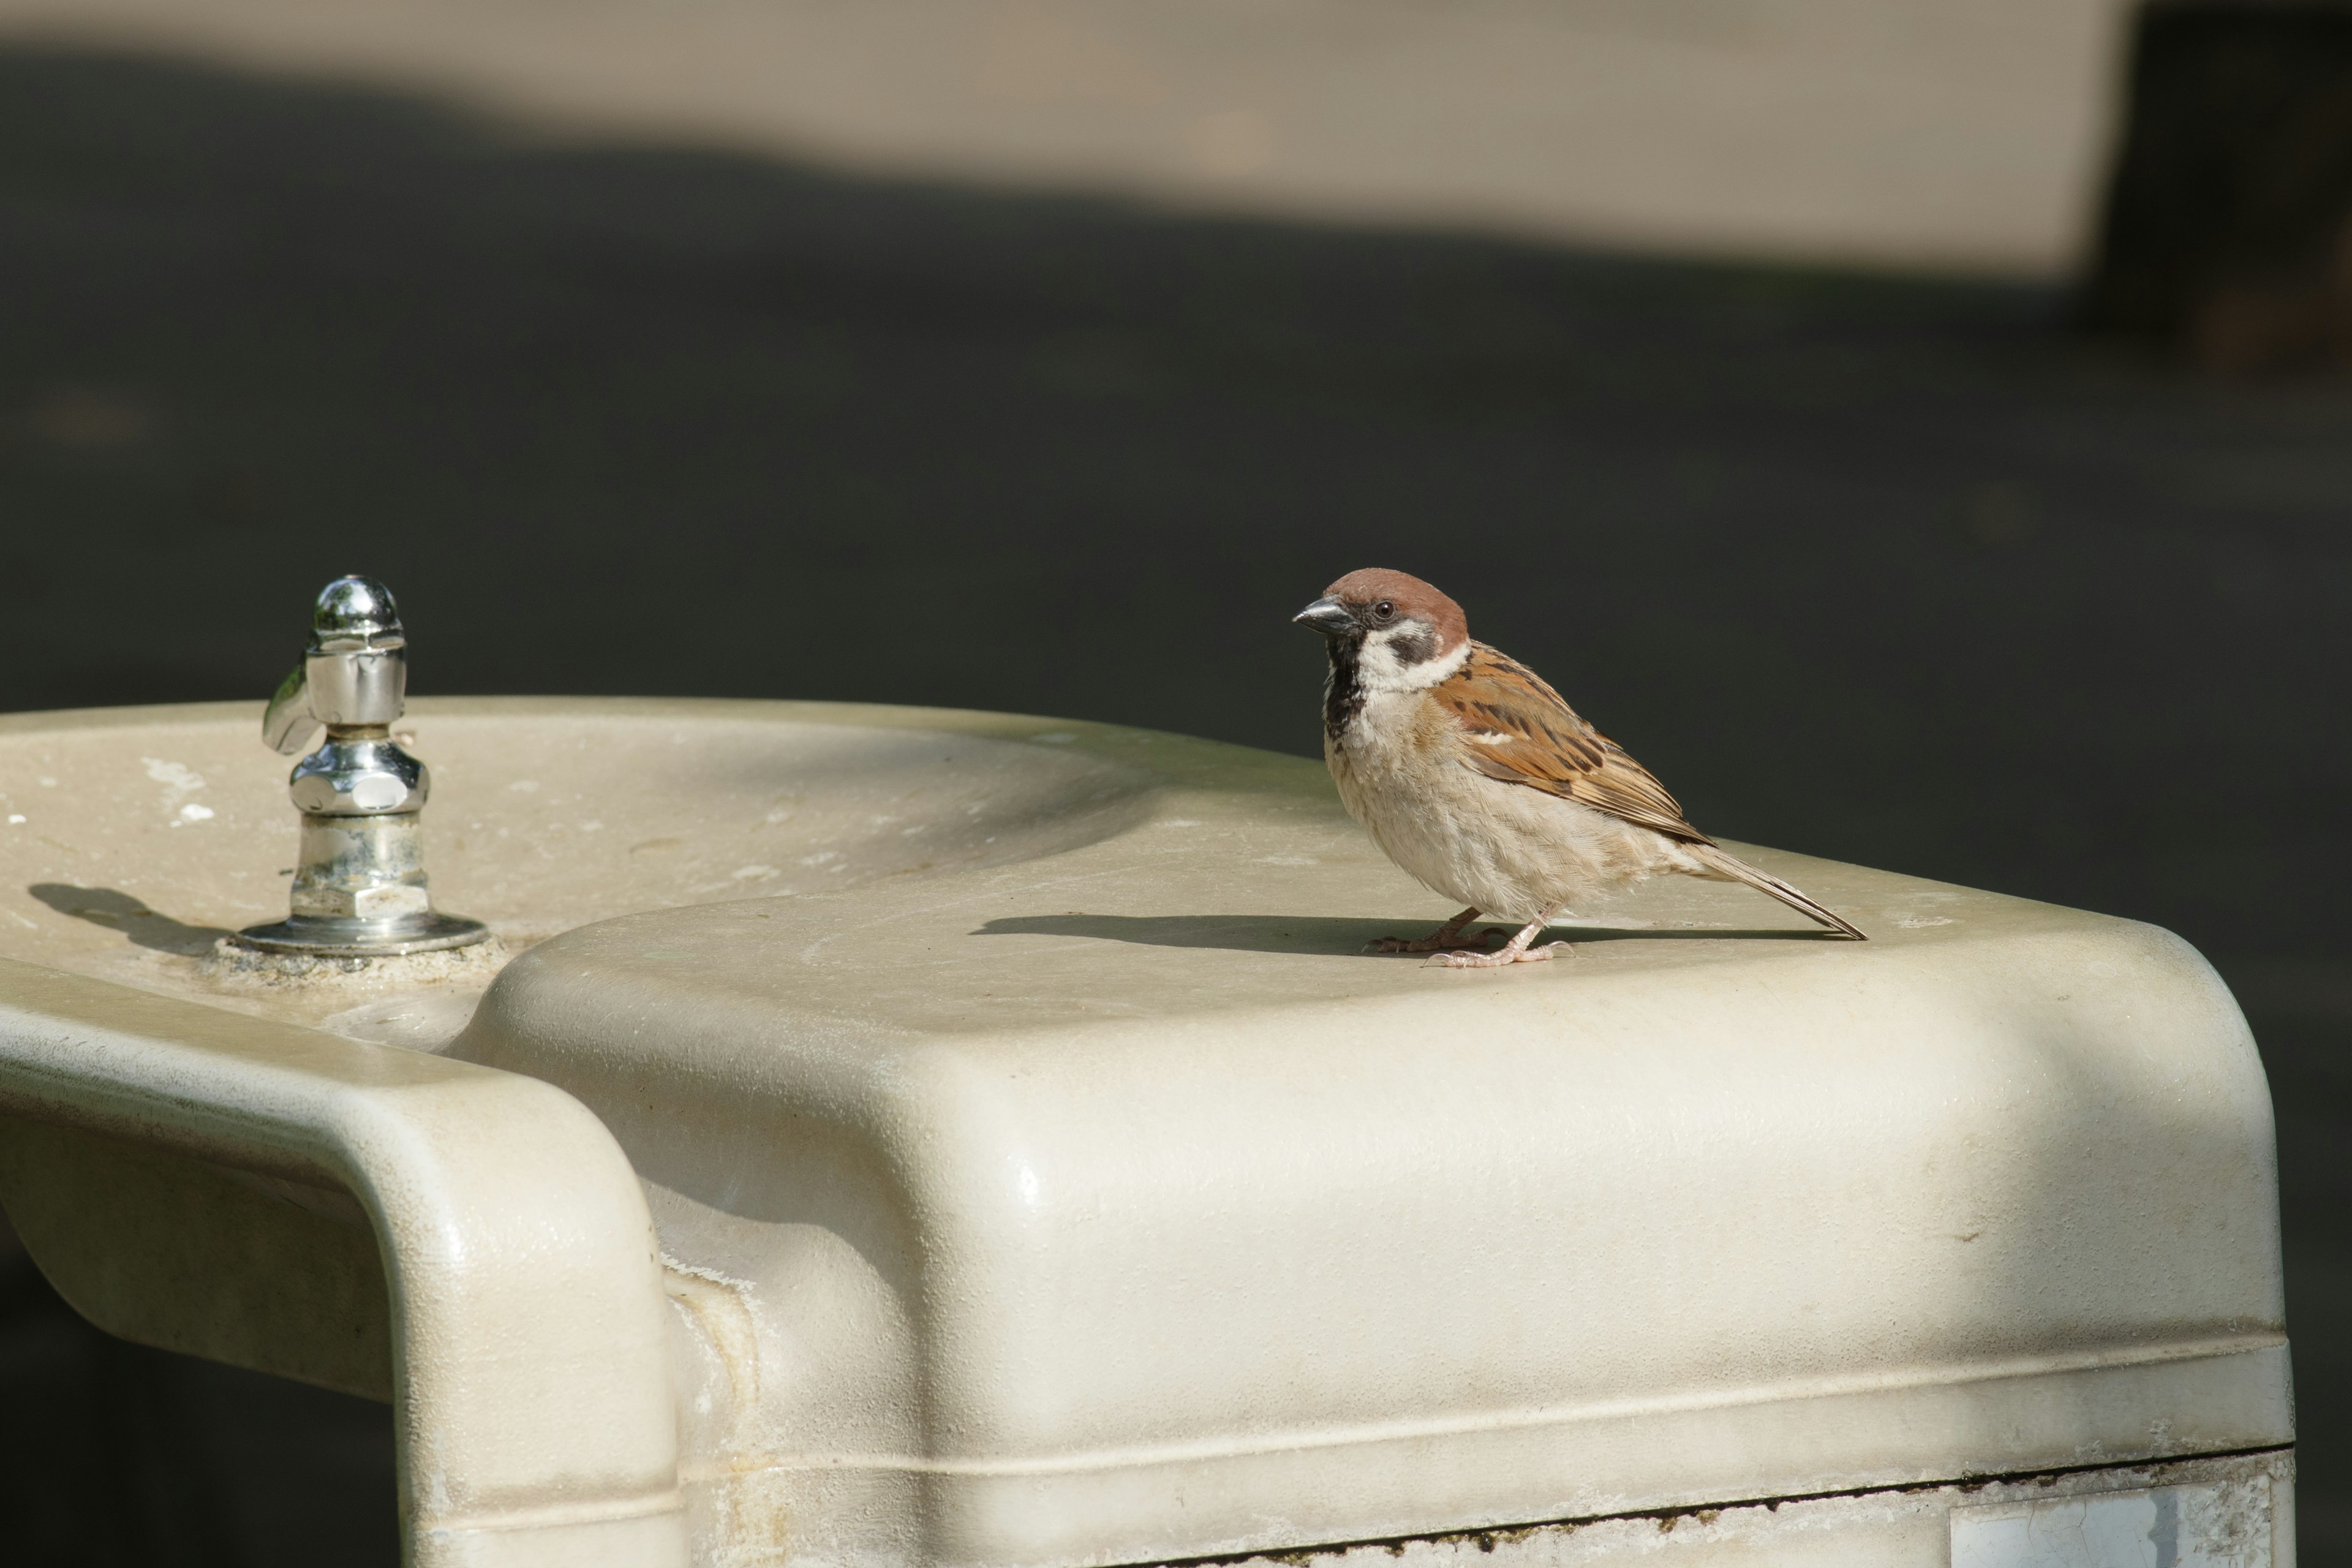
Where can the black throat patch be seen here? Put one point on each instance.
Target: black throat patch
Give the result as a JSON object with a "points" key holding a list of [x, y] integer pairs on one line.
{"points": [[1343, 692]]}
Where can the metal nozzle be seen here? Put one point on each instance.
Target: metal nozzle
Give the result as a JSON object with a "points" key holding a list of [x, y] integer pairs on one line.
{"points": [[360, 888]]}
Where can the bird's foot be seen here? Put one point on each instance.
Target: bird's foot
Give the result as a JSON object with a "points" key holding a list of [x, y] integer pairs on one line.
{"points": [[1497, 960], [1518, 950], [1445, 936]]}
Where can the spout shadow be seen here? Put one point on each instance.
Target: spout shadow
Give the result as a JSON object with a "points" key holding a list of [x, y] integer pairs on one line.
{"points": [[120, 912], [1329, 935]]}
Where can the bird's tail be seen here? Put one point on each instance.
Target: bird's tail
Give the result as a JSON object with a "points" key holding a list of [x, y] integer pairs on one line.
{"points": [[1732, 868]]}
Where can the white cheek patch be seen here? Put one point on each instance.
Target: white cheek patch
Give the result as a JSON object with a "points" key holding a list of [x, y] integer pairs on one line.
{"points": [[1377, 666], [1380, 669]]}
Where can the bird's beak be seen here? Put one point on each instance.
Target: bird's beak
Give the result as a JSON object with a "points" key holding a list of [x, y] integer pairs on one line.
{"points": [[1326, 616]]}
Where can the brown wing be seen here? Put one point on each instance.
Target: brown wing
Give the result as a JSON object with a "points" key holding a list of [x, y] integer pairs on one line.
{"points": [[1517, 728]]}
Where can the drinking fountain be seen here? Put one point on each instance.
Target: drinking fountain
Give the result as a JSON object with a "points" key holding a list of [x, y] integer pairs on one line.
{"points": [[360, 889], [900, 1138]]}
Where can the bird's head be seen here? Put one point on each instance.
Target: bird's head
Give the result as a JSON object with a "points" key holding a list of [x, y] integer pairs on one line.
{"points": [[1400, 633]]}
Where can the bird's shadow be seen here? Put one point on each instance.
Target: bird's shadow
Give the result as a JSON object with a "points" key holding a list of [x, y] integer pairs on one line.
{"points": [[120, 911], [1327, 935]]}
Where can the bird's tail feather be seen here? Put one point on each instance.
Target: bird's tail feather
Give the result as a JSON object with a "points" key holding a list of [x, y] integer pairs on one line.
{"points": [[1733, 869]]}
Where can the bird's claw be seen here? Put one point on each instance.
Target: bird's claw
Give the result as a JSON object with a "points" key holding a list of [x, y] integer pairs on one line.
{"points": [[1497, 960]]}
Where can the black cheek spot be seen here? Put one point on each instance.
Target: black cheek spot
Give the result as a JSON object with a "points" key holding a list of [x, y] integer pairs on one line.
{"points": [[1418, 646]]}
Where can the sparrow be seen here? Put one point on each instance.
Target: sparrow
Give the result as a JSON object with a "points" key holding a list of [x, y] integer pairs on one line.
{"points": [[1477, 780]]}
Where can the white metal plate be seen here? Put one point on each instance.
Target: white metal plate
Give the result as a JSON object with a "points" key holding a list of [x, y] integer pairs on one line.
{"points": [[2219, 1525]]}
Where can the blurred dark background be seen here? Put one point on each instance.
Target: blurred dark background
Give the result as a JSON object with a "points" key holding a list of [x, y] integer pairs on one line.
{"points": [[1903, 570]]}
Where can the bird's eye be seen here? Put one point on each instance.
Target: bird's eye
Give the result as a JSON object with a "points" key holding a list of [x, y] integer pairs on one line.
{"points": [[1383, 610]]}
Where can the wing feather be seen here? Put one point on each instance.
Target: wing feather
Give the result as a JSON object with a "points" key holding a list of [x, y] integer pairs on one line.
{"points": [[1517, 729]]}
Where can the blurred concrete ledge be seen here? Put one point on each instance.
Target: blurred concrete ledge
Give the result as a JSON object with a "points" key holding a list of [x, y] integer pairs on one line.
{"points": [[1953, 135]]}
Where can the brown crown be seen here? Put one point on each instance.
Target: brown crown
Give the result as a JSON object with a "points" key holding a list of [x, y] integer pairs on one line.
{"points": [[1410, 596]]}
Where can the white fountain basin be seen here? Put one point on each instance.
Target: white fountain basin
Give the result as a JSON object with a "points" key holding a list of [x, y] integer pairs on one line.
{"points": [[1044, 1177]]}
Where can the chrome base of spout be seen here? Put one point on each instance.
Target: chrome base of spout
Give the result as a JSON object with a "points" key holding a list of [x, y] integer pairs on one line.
{"points": [[331, 936]]}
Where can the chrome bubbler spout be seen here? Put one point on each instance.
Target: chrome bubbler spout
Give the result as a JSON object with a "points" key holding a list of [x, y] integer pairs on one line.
{"points": [[359, 884]]}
